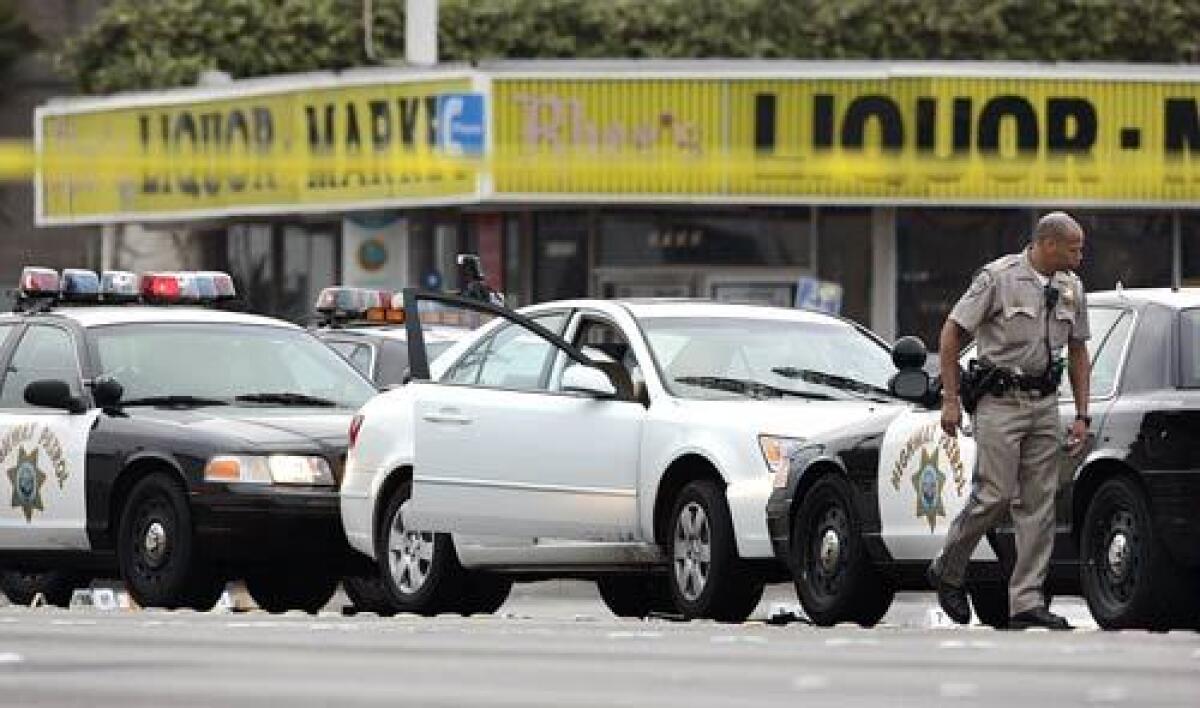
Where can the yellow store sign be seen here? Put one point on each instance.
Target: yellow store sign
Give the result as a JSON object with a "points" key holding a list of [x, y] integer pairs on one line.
{"points": [[934, 139], [284, 150]]}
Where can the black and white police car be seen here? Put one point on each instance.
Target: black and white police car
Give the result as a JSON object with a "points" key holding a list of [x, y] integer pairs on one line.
{"points": [[180, 446], [864, 509], [366, 328]]}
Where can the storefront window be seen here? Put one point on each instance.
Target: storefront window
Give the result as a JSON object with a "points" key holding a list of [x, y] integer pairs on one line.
{"points": [[1133, 248], [751, 238], [280, 270], [844, 257], [939, 251], [561, 255]]}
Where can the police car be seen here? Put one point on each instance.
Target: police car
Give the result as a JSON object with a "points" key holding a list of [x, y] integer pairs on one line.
{"points": [[355, 323], [633, 442], [176, 446], [863, 509]]}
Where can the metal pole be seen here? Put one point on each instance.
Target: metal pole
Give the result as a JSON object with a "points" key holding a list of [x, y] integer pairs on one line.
{"points": [[368, 21], [1176, 250], [421, 32]]}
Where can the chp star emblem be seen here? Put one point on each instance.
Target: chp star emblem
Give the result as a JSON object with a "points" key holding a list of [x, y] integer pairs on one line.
{"points": [[929, 481], [27, 481]]}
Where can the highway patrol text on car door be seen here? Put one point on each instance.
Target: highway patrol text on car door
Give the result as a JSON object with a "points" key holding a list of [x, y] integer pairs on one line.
{"points": [[42, 450]]}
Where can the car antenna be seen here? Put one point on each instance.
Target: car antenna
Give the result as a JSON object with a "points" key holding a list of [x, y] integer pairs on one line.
{"points": [[1120, 290]]}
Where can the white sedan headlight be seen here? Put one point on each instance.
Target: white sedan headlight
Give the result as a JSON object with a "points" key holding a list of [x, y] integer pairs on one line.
{"points": [[269, 469], [778, 453]]}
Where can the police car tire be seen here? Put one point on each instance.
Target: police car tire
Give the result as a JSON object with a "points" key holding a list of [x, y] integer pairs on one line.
{"points": [[182, 580], [368, 595], [483, 593], [442, 588], [990, 602], [856, 591], [636, 595], [56, 586], [1152, 593], [732, 588], [280, 589]]}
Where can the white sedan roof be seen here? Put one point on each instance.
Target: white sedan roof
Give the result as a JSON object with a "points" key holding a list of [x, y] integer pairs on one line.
{"points": [[677, 307]]}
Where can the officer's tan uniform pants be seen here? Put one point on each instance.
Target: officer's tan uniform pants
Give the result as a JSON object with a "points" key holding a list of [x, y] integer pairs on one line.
{"points": [[1017, 467]]}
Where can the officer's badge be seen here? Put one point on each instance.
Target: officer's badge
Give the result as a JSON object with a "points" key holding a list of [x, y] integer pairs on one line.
{"points": [[1068, 297], [27, 481], [928, 481]]}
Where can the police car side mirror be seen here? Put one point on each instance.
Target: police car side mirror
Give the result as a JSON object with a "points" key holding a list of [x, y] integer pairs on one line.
{"points": [[51, 393], [107, 391], [588, 380], [909, 353]]}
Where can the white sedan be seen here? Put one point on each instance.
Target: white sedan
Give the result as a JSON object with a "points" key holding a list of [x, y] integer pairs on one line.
{"points": [[633, 442]]}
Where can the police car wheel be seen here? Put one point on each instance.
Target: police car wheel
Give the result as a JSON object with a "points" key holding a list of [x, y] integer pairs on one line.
{"points": [[1127, 575], [280, 589], [835, 580], [708, 579], [21, 587], [636, 595], [483, 593], [420, 570], [155, 547], [368, 594]]}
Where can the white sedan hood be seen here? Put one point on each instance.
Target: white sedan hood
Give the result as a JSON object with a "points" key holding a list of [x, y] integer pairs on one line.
{"points": [[797, 418]]}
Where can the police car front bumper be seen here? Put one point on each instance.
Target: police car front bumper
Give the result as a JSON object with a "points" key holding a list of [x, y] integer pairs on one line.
{"points": [[242, 522], [778, 505]]}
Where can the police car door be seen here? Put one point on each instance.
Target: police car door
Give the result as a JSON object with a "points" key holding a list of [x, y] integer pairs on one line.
{"points": [[42, 450]]}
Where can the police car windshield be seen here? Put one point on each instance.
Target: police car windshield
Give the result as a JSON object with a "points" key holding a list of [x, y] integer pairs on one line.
{"points": [[231, 363], [768, 351]]}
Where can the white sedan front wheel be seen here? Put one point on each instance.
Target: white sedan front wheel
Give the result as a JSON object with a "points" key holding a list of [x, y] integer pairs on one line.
{"points": [[708, 578]]}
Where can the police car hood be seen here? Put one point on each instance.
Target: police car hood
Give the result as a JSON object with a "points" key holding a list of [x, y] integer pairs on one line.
{"points": [[796, 417], [268, 428]]}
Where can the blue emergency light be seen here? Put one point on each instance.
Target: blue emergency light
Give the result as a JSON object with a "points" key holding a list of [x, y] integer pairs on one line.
{"points": [[79, 285]]}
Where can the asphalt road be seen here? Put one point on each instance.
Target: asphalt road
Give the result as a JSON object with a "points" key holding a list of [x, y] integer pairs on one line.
{"points": [[554, 644]]}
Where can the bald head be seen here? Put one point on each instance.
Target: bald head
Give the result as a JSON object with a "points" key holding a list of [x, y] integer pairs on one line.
{"points": [[1057, 243], [1056, 225]]}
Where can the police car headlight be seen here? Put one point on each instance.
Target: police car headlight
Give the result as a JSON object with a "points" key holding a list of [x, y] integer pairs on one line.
{"points": [[779, 454], [269, 469]]}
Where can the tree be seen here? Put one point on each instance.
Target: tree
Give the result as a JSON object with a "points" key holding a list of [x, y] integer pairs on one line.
{"points": [[16, 39], [136, 44]]}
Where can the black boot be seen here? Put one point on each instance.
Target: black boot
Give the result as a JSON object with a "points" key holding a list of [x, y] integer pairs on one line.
{"points": [[1038, 617], [952, 598]]}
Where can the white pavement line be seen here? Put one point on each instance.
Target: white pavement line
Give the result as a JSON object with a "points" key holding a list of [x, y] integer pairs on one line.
{"points": [[850, 641], [10, 657], [810, 682], [1107, 694], [958, 690], [1196, 654], [8, 620], [73, 623], [635, 635], [735, 639], [965, 644]]}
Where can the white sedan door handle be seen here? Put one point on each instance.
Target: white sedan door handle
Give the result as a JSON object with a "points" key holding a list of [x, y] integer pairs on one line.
{"points": [[447, 415]]}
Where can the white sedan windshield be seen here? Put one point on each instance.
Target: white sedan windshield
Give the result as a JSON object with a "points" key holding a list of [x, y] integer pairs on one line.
{"points": [[713, 358]]}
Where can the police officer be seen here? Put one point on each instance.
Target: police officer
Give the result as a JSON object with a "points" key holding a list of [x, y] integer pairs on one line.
{"points": [[1022, 308]]}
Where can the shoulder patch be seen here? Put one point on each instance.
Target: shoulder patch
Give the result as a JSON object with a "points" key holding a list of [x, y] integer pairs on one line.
{"points": [[981, 282]]}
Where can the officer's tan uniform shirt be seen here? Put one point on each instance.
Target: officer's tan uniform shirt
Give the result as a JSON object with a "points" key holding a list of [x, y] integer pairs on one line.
{"points": [[1005, 308]]}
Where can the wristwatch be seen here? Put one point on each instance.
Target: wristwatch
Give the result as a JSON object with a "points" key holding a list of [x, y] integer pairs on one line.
{"points": [[1087, 419]]}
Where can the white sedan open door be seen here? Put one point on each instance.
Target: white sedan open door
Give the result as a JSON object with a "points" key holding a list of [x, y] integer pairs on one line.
{"points": [[498, 453]]}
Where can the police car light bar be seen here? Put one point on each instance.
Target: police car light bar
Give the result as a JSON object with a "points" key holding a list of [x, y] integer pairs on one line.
{"points": [[385, 315], [79, 285], [39, 283], [342, 303], [180, 287], [119, 286]]}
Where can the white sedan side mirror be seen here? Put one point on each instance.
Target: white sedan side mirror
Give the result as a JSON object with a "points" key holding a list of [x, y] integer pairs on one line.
{"points": [[578, 378]]}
